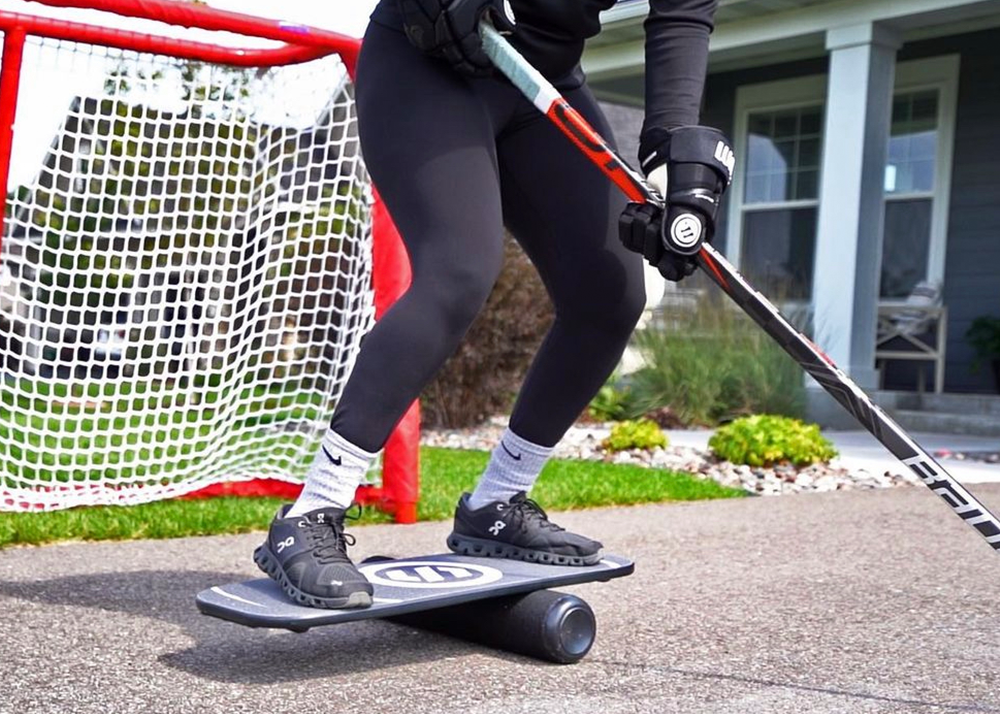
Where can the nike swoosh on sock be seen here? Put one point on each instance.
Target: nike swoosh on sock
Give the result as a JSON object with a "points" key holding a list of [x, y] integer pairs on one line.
{"points": [[334, 461], [510, 453]]}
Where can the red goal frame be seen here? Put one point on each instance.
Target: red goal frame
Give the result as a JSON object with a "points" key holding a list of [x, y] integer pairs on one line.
{"points": [[399, 492]]}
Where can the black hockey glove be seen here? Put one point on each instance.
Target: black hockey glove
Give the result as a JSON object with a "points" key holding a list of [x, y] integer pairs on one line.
{"points": [[691, 166], [449, 29]]}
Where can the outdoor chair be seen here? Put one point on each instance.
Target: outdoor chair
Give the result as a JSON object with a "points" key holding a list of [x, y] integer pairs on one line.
{"points": [[915, 330]]}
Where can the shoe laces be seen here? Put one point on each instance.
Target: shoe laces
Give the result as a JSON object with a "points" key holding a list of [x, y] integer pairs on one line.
{"points": [[329, 539], [527, 512]]}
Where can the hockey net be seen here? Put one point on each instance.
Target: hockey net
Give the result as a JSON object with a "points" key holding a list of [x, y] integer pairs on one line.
{"points": [[186, 271]]}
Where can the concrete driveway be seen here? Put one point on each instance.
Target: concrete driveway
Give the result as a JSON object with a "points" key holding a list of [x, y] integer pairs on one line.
{"points": [[843, 602]]}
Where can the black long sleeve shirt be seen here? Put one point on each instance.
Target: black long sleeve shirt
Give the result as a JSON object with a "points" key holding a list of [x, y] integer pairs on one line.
{"points": [[551, 34]]}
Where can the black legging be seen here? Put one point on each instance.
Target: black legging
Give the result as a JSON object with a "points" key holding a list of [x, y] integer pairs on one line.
{"points": [[455, 160]]}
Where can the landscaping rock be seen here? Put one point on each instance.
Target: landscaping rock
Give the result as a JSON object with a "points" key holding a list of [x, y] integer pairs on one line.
{"points": [[584, 442]]}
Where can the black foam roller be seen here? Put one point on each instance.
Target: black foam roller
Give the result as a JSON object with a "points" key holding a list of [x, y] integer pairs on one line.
{"points": [[544, 624]]}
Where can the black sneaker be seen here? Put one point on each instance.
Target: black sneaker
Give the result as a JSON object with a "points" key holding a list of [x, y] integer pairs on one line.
{"points": [[519, 530], [307, 556]]}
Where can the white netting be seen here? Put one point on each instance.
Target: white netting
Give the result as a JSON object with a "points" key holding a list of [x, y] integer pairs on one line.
{"points": [[184, 275]]}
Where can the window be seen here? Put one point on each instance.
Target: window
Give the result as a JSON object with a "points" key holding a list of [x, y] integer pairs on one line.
{"points": [[780, 199], [909, 187], [912, 143], [775, 196]]}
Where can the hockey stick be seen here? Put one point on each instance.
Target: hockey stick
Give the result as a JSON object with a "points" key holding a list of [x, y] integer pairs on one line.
{"points": [[552, 104]]}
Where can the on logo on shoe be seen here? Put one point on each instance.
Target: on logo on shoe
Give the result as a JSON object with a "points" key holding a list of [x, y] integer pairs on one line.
{"points": [[427, 574]]}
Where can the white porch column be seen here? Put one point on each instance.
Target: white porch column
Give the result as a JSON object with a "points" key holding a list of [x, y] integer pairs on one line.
{"points": [[849, 230]]}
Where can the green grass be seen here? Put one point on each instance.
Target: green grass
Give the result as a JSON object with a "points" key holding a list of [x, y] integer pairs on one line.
{"points": [[74, 432], [445, 474], [563, 485]]}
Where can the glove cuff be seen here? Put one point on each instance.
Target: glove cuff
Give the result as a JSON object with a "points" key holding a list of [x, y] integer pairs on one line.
{"points": [[687, 145]]}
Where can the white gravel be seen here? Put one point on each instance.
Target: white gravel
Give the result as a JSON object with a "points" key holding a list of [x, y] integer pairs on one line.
{"points": [[584, 442]]}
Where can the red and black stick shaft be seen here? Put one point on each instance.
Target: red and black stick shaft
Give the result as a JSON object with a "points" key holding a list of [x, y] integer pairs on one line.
{"points": [[550, 102]]}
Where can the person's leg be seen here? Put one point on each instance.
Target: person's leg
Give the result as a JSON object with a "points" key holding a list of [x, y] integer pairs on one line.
{"points": [[428, 143], [564, 213], [429, 146]]}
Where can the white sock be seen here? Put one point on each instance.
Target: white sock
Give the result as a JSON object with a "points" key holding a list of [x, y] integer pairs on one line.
{"points": [[514, 467], [334, 476]]}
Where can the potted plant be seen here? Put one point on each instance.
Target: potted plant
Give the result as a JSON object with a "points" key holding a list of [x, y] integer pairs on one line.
{"points": [[984, 336]]}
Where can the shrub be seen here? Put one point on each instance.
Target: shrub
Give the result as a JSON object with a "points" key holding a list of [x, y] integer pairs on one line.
{"points": [[641, 434], [765, 439], [615, 403], [984, 336], [714, 364], [482, 377]]}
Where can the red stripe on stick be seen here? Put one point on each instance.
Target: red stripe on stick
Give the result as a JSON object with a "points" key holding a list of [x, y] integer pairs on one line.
{"points": [[720, 278], [577, 130]]}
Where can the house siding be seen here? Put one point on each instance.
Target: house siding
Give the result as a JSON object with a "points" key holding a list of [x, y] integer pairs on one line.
{"points": [[972, 267]]}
